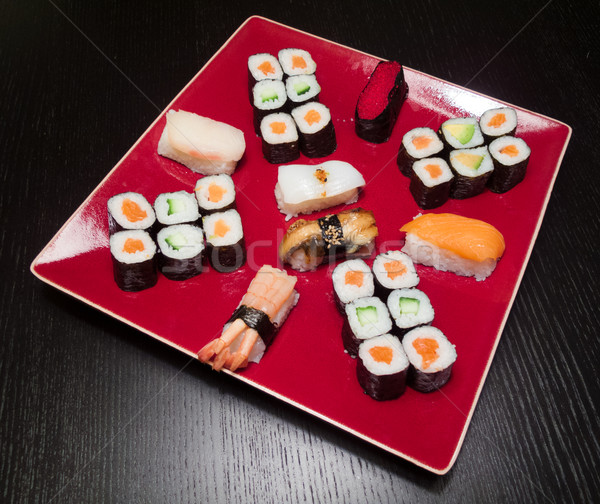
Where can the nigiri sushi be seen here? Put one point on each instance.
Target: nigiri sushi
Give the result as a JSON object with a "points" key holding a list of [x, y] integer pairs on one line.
{"points": [[308, 188], [309, 243], [253, 325], [449, 242], [203, 145]]}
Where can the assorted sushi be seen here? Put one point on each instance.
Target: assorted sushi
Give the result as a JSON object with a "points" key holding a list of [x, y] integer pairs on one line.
{"points": [[215, 193], [296, 62], [225, 245], [133, 254], [128, 211], [510, 156], [393, 270], [498, 122], [279, 138], [317, 133], [181, 251], [352, 280], [431, 182]]}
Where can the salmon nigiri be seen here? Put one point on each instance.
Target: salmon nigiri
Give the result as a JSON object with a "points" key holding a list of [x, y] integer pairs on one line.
{"points": [[449, 242]]}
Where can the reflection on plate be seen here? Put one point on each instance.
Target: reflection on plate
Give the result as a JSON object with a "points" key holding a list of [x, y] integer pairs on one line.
{"points": [[306, 365]]}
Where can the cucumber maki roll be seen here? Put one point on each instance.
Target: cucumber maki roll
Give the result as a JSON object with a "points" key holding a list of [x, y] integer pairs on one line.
{"points": [[317, 133], [279, 138], [382, 367], [352, 279], [366, 318], [225, 244], [129, 210], [409, 308], [262, 66], [268, 96], [379, 102], [296, 62], [431, 356], [461, 133], [302, 89], [181, 248], [510, 156], [178, 207], [430, 182], [498, 122], [472, 169], [215, 193], [133, 254], [417, 144], [393, 270]]}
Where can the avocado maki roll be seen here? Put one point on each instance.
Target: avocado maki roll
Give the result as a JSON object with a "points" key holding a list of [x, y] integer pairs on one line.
{"points": [[472, 169], [510, 156], [133, 254], [317, 133], [279, 138], [460, 133], [430, 182], [409, 308], [366, 318], [417, 144], [393, 270], [225, 244], [262, 66], [215, 193], [129, 210], [498, 122], [181, 248], [352, 279], [268, 96], [178, 207]]}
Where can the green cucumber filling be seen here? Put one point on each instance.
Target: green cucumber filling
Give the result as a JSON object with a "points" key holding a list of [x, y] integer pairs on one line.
{"points": [[176, 241], [301, 88], [268, 95], [367, 315], [175, 206], [409, 306]]}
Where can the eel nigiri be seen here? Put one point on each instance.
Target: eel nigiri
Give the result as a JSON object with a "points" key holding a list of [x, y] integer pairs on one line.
{"points": [[449, 242], [348, 234]]}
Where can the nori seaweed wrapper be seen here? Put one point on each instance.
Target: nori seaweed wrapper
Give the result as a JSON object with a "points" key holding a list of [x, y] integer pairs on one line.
{"points": [[257, 320], [351, 342], [259, 114], [319, 144], [429, 197], [467, 187], [381, 387], [506, 177], [180, 269], [405, 161], [227, 258], [115, 227], [135, 277], [291, 105], [490, 138], [332, 233], [428, 382], [280, 153]]}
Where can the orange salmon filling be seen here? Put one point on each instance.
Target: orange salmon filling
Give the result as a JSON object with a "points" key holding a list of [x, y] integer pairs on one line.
{"points": [[298, 62], [434, 170], [312, 117], [216, 192], [354, 278], [394, 269], [266, 68], [221, 228], [510, 150], [278, 127], [381, 354], [132, 245], [497, 121], [132, 211], [421, 142], [427, 349]]}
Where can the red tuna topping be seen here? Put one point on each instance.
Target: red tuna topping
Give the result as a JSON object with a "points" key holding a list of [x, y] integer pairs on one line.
{"points": [[374, 98]]}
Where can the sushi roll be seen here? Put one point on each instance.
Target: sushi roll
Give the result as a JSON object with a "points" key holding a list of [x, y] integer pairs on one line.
{"points": [[296, 62], [203, 145], [431, 358], [352, 280], [417, 144], [510, 156], [302, 89], [262, 66], [382, 367], [133, 254], [366, 318], [215, 193], [179, 207], [254, 324], [308, 188], [498, 122], [268, 96], [410, 308], [471, 168], [181, 248], [279, 138], [449, 242], [379, 102], [430, 182], [393, 270], [461, 133], [225, 245], [129, 210], [317, 133]]}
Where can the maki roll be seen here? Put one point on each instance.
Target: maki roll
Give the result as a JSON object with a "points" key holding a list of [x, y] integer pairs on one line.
{"points": [[498, 122], [215, 193], [181, 248], [133, 254], [510, 156], [472, 169], [461, 133], [279, 138], [179, 207], [393, 270], [268, 96], [366, 318], [382, 367], [225, 240], [317, 133], [417, 144], [352, 280], [379, 102], [129, 210], [296, 62], [410, 308], [262, 66], [430, 182], [302, 89], [431, 356]]}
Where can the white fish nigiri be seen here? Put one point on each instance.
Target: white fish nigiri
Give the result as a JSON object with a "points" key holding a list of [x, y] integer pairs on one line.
{"points": [[302, 189], [203, 145]]}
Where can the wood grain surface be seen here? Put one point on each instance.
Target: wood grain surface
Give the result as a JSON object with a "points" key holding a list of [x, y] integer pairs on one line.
{"points": [[93, 411]]}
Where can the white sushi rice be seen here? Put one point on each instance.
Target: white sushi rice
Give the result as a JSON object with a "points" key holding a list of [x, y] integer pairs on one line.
{"points": [[232, 219], [424, 315], [269, 94], [185, 204], [369, 326], [487, 165], [266, 130], [286, 58], [203, 188], [509, 124], [117, 246], [435, 145], [446, 351], [475, 141], [115, 207], [498, 145], [422, 169], [400, 277], [257, 60], [300, 81], [349, 292], [301, 113], [399, 360], [189, 239]]}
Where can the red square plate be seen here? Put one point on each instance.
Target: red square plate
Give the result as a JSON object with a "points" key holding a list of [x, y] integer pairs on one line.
{"points": [[306, 366]]}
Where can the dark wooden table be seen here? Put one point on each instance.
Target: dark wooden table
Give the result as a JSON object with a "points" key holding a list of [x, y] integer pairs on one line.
{"points": [[94, 411]]}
